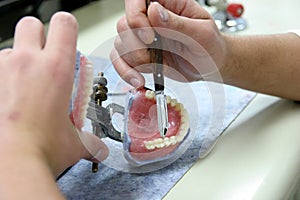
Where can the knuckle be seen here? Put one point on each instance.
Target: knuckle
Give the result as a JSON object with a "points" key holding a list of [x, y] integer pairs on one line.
{"points": [[24, 55], [133, 22], [122, 25], [136, 58]]}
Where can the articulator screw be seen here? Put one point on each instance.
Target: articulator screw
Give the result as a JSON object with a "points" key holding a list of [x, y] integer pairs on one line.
{"points": [[99, 94]]}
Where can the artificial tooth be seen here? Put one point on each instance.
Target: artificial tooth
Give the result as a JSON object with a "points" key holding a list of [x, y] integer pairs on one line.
{"points": [[149, 94], [168, 98], [149, 146], [160, 145], [173, 140], [179, 138], [89, 64], [149, 142], [184, 116], [179, 107], [167, 141], [173, 102], [158, 140]]}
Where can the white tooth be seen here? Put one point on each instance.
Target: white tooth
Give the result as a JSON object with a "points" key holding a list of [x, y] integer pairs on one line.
{"points": [[160, 145], [179, 107], [167, 141], [89, 64], [184, 116], [173, 102], [179, 138], [182, 132], [158, 141], [152, 94], [173, 140], [149, 146], [89, 69], [149, 142], [184, 126], [168, 99], [149, 94]]}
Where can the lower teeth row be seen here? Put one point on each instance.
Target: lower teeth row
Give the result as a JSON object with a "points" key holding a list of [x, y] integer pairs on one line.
{"points": [[167, 141]]}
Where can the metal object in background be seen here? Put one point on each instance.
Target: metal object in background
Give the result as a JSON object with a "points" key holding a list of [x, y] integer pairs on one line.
{"points": [[228, 16], [100, 116]]}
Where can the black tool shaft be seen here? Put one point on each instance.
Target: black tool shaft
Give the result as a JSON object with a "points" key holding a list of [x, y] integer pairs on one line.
{"points": [[156, 58]]}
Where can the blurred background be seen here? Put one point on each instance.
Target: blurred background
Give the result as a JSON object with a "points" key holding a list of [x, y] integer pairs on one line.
{"points": [[12, 10]]}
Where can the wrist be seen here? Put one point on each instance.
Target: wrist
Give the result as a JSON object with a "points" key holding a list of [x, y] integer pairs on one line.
{"points": [[24, 169], [43, 145], [18, 147], [230, 59]]}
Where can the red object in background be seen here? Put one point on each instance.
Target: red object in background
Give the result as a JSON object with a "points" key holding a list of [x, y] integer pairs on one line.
{"points": [[235, 10]]}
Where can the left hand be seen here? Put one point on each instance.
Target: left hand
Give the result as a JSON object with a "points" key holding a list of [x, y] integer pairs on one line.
{"points": [[36, 82]]}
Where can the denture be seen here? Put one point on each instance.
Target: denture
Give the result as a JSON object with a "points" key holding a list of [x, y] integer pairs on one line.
{"points": [[82, 89], [142, 141]]}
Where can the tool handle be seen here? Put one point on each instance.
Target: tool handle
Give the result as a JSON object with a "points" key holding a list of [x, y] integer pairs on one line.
{"points": [[156, 58]]}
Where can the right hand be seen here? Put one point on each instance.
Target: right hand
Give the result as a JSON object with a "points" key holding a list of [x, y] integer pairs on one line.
{"points": [[189, 35]]}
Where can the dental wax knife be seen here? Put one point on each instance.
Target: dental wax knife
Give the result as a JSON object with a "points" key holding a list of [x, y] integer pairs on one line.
{"points": [[156, 58]]}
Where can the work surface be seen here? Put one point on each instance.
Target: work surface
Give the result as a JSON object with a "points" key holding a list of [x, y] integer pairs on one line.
{"points": [[258, 156]]}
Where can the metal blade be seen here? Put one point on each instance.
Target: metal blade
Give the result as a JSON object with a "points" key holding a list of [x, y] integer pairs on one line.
{"points": [[162, 113]]}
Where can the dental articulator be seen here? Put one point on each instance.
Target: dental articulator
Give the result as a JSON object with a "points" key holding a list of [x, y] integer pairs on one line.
{"points": [[144, 148]]}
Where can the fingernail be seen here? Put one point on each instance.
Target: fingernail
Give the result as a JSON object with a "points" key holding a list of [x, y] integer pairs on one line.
{"points": [[145, 36], [135, 82], [99, 156], [162, 13]]}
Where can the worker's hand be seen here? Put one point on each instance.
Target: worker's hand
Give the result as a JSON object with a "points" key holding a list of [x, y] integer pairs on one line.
{"points": [[192, 43], [36, 83]]}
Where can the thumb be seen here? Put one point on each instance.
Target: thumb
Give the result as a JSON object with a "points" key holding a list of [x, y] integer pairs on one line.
{"points": [[94, 149]]}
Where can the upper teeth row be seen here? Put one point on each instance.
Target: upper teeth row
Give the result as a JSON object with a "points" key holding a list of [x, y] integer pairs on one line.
{"points": [[87, 89], [167, 141]]}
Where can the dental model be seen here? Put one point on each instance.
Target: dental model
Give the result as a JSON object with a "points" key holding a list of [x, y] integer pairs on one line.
{"points": [[143, 143], [141, 140]]}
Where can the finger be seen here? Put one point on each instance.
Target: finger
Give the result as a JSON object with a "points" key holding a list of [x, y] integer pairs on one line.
{"points": [[127, 38], [62, 35], [186, 8], [29, 33], [129, 47], [179, 28], [5, 52], [94, 149], [136, 15], [129, 74]]}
